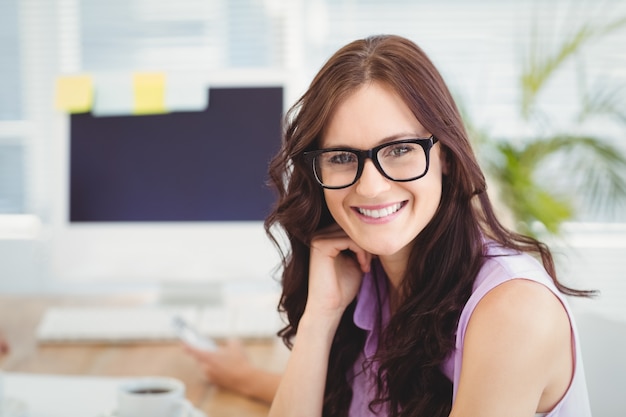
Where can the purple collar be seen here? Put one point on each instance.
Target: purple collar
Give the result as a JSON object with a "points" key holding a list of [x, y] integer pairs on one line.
{"points": [[372, 306]]}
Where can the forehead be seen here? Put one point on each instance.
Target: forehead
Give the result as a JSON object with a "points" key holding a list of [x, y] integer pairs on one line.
{"points": [[372, 114]]}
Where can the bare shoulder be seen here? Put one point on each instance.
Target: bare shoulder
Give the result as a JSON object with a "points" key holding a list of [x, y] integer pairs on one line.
{"points": [[517, 352], [522, 302]]}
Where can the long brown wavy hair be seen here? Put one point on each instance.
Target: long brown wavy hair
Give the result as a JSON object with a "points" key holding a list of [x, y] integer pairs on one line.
{"points": [[446, 256]]}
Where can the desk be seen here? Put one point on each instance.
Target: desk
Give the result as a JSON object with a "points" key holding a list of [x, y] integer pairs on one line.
{"points": [[19, 316]]}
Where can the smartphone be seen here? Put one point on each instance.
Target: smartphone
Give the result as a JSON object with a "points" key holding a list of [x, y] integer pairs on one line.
{"points": [[191, 337]]}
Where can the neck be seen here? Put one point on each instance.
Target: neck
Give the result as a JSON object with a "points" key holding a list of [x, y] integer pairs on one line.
{"points": [[394, 267]]}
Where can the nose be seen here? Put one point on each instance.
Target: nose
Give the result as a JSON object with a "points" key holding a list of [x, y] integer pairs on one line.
{"points": [[371, 183]]}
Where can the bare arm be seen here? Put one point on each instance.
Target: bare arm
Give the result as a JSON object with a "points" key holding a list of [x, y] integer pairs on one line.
{"points": [[334, 279], [517, 356], [301, 390]]}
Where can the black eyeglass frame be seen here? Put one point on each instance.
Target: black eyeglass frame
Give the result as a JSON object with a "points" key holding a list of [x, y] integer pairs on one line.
{"points": [[362, 155]]}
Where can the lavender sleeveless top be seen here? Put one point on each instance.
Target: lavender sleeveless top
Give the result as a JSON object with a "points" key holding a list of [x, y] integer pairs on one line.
{"points": [[501, 266]]}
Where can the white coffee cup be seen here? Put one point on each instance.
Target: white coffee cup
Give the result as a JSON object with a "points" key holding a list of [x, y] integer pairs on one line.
{"points": [[152, 397]]}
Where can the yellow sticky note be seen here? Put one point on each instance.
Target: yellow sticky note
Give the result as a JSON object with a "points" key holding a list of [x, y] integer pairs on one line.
{"points": [[149, 93], [74, 93]]}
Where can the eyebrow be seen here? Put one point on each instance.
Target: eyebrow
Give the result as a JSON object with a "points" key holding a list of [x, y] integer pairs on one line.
{"points": [[386, 139]]}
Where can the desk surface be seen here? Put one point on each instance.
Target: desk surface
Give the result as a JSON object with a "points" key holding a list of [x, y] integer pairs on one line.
{"points": [[19, 316]]}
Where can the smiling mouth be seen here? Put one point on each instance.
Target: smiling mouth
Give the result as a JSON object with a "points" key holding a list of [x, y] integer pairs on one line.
{"points": [[379, 213]]}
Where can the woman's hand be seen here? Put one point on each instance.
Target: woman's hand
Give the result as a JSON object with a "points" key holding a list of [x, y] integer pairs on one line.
{"points": [[336, 270], [226, 367], [229, 367]]}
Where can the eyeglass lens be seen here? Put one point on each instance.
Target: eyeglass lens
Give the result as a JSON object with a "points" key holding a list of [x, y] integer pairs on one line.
{"points": [[398, 161]]}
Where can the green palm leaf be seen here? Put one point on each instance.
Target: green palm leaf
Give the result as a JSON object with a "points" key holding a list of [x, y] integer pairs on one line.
{"points": [[603, 100], [549, 178], [540, 67], [545, 180]]}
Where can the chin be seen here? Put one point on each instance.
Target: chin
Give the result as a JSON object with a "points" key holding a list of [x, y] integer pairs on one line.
{"points": [[384, 250]]}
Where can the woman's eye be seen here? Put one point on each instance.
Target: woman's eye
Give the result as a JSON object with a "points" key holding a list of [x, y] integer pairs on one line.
{"points": [[341, 158], [399, 150]]}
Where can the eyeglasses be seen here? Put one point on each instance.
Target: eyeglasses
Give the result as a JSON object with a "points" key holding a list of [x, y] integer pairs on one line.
{"points": [[401, 160]]}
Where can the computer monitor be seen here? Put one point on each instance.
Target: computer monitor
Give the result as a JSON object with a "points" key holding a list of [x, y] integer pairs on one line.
{"points": [[176, 196]]}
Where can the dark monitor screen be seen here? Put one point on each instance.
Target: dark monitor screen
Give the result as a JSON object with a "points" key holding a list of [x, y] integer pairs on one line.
{"points": [[190, 166]]}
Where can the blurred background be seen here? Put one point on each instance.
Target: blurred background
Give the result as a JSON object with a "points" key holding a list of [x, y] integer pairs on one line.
{"points": [[541, 84]]}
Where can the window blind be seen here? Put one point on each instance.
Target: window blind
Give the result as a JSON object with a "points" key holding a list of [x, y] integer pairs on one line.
{"points": [[478, 45]]}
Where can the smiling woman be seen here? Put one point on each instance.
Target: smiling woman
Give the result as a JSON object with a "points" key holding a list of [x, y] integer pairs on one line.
{"points": [[371, 113], [399, 277]]}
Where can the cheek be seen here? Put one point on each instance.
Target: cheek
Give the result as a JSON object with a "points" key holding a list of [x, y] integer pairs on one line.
{"points": [[334, 201], [428, 193], [340, 212]]}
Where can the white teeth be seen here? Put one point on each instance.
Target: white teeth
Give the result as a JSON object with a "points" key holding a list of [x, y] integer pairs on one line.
{"points": [[377, 214]]}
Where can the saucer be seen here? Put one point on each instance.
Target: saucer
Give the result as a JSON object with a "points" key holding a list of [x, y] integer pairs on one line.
{"points": [[12, 407]]}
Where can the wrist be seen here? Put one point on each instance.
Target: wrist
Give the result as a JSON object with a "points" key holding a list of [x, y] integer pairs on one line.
{"points": [[323, 323]]}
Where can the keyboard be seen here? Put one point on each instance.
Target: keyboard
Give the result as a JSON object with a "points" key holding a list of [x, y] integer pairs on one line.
{"points": [[154, 322]]}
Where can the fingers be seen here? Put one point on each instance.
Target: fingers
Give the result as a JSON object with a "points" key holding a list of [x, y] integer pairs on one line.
{"points": [[336, 268], [226, 367], [335, 242], [365, 260], [201, 356], [191, 350], [232, 351], [208, 362]]}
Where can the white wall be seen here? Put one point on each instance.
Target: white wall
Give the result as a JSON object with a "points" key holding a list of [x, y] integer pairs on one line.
{"points": [[476, 44]]}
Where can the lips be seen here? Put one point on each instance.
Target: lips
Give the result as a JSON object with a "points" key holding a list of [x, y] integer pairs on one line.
{"points": [[381, 212]]}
